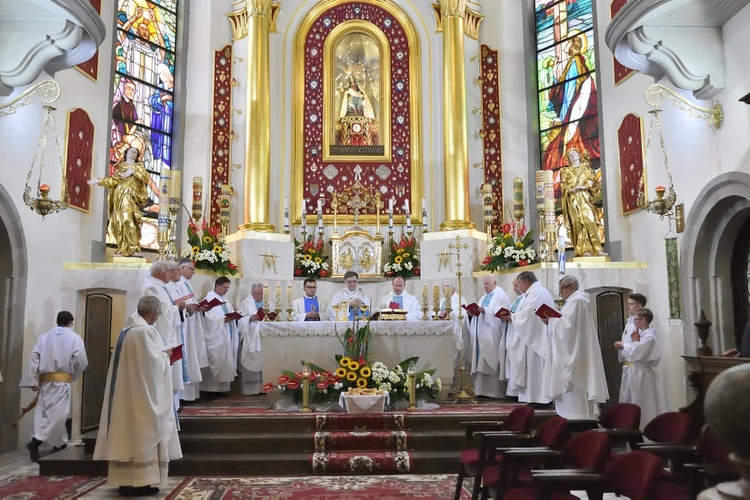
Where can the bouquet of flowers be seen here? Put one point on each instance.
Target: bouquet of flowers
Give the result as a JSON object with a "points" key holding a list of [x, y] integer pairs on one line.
{"points": [[309, 260], [510, 248], [208, 249], [394, 381], [403, 258]]}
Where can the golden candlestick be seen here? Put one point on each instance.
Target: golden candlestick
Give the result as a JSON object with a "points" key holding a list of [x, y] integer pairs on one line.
{"points": [[411, 380], [289, 300], [306, 388], [425, 305]]}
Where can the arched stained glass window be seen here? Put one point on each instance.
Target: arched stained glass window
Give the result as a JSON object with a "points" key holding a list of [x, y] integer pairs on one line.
{"points": [[143, 93]]}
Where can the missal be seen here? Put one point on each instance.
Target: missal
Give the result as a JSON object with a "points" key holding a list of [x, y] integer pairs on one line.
{"points": [[502, 312], [394, 305], [233, 315], [207, 305], [472, 309], [545, 311], [176, 353], [184, 298]]}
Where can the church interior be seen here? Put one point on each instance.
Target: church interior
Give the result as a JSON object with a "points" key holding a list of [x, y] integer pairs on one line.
{"points": [[371, 126]]}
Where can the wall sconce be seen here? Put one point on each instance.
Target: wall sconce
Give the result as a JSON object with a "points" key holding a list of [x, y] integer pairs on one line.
{"points": [[714, 115], [666, 197]]}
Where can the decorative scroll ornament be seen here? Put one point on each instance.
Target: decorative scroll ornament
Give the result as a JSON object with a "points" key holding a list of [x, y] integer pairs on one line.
{"points": [[663, 204], [714, 115]]}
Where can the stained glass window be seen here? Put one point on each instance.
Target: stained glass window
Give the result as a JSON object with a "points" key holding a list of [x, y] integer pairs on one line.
{"points": [[143, 93]]}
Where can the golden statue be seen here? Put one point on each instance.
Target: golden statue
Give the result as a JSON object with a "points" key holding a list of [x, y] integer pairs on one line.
{"points": [[128, 193], [582, 218]]}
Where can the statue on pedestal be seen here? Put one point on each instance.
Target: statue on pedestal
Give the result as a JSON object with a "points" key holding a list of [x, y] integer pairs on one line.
{"points": [[582, 218]]}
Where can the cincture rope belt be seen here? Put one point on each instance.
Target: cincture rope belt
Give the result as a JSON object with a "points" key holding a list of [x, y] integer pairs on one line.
{"points": [[628, 363], [56, 377]]}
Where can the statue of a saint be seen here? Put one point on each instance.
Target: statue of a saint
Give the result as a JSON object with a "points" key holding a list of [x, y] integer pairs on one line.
{"points": [[128, 193], [355, 101], [582, 217]]}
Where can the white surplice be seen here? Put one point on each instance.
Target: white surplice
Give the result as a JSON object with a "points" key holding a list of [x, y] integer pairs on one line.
{"points": [[573, 370], [251, 361], [643, 385], [627, 338], [513, 349], [138, 425], [488, 345], [60, 350], [194, 346], [410, 304], [222, 346]]}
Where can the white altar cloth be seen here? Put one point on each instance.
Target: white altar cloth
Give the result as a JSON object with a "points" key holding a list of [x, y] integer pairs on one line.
{"points": [[284, 345]]}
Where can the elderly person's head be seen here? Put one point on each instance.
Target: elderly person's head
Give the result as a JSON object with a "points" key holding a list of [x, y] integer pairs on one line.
{"points": [[568, 285], [160, 270], [149, 309], [525, 280], [489, 283]]}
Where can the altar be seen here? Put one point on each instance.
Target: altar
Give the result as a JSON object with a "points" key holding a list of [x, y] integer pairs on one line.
{"points": [[285, 344]]}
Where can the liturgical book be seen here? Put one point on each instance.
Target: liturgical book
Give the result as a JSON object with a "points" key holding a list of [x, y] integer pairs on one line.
{"points": [[472, 309], [207, 305], [233, 315], [501, 312], [545, 311]]}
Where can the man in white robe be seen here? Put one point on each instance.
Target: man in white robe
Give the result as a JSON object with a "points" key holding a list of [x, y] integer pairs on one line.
{"points": [[354, 297], [158, 284], [222, 341], [487, 345], [402, 299], [461, 336], [509, 332], [194, 347], [57, 360], [529, 347], [138, 425], [251, 362], [573, 370], [308, 307], [635, 301]]}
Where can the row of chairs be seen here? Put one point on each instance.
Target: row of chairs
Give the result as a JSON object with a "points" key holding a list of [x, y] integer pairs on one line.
{"points": [[608, 454]]}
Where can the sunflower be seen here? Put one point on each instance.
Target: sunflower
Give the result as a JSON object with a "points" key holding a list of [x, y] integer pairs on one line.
{"points": [[365, 372], [306, 257], [218, 249], [341, 372], [398, 259], [406, 255], [361, 383], [207, 239], [345, 361], [196, 250], [351, 376], [353, 366]]}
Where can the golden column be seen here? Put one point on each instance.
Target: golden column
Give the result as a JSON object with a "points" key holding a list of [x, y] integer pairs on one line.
{"points": [[456, 144], [258, 123]]}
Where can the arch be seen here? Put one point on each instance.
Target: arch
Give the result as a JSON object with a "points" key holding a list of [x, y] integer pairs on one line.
{"points": [[13, 275], [720, 211]]}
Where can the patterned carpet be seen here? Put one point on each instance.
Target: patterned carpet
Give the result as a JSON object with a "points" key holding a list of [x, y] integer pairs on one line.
{"points": [[53, 487], [434, 486]]}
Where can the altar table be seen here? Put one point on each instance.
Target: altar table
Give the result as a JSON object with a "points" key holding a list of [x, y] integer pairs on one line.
{"points": [[285, 344]]}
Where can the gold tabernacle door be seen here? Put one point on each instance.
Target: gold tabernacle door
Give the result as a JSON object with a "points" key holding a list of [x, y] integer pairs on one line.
{"points": [[357, 251]]}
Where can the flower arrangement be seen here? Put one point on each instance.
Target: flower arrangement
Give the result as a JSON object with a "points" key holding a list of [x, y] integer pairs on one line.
{"points": [[510, 248], [395, 381], [403, 258], [208, 249], [309, 260]]}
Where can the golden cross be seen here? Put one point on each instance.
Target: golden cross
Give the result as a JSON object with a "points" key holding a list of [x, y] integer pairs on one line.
{"points": [[269, 261], [444, 259]]}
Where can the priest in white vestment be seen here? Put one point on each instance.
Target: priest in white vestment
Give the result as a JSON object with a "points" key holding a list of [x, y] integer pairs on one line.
{"points": [[158, 285], [529, 346], [250, 361], [222, 341], [402, 300], [354, 297], [487, 344], [308, 307], [635, 301], [511, 346], [57, 360], [138, 425], [194, 346], [573, 370]]}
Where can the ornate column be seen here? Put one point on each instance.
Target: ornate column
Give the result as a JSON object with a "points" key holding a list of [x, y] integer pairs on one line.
{"points": [[455, 147], [258, 126]]}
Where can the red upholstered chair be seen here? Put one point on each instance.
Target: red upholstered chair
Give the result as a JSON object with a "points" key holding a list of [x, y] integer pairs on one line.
{"points": [[621, 422], [584, 456], [634, 475], [710, 466], [473, 460], [552, 434], [673, 435]]}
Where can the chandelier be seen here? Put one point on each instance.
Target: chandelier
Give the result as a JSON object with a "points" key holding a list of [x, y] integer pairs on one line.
{"points": [[666, 197]]}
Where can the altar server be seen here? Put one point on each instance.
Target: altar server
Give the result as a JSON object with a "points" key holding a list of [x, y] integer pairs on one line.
{"points": [[529, 346], [402, 300], [353, 295], [138, 425], [250, 362], [308, 307], [222, 341], [194, 348], [635, 301], [487, 345], [57, 360], [573, 370]]}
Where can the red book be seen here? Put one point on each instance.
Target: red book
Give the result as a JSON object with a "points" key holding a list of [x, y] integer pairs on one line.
{"points": [[184, 298], [472, 309], [545, 311], [233, 315], [261, 314], [394, 306], [207, 305], [502, 312], [176, 354]]}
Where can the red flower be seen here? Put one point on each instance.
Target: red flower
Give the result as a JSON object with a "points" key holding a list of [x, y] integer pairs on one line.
{"points": [[268, 387], [292, 385], [521, 231], [192, 229], [322, 385], [523, 262], [506, 228], [214, 231], [298, 272], [417, 271], [487, 260], [351, 340], [362, 361], [389, 273], [323, 273], [232, 266]]}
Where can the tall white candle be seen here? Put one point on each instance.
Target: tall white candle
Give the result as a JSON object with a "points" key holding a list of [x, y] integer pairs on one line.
{"points": [[286, 214], [304, 212], [390, 205], [406, 206]]}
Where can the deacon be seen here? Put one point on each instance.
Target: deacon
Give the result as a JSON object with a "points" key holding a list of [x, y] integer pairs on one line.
{"points": [[194, 347], [57, 360], [222, 341], [308, 307], [402, 299], [353, 296], [138, 426], [487, 346], [573, 370], [529, 346], [250, 362]]}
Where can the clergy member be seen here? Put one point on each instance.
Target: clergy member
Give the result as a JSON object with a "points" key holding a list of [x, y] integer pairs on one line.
{"points": [[573, 370], [192, 329], [511, 345], [487, 345], [138, 425], [308, 307], [250, 362], [222, 341], [461, 336], [353, 296], [402, 299], [635, 301], [57, 360], [530, 343]]}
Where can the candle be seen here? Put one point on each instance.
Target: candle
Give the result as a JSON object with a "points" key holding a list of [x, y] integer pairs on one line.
{"points": [[289, 292], [278, 294], [539, 178], [265, 295], [304, 213], [224, 202], [424, 294], [448, 293], [406, 206], [175, 189], [436, 296], [286, 214], [424, 215], [390, 205], [197, 198], [320, 205], [518, 198]]}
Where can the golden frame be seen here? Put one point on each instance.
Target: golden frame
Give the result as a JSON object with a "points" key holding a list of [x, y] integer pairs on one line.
{"points": [[330, 130], [298, 96]]}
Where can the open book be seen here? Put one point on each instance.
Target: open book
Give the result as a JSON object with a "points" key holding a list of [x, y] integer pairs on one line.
{"points": [[233, 315], [545, 311], [207, 305], [472, 309], [184, 298], [501, 312], [176, 353]]}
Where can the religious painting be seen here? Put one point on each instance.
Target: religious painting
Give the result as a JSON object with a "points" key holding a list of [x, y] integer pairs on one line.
{"points": [[143, 93], [356, 98]]}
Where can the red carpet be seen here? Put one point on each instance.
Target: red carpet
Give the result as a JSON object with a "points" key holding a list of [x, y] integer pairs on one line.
{"points": [[366, 440], [362, 462], [347, 422], [435, 486], [48, 487]]}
